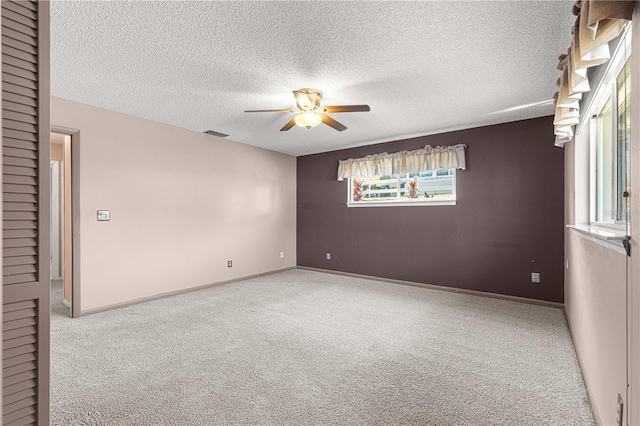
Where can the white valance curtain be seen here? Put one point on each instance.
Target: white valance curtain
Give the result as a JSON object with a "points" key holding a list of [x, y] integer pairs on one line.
{"points": [[420, 160], [597, 23]]}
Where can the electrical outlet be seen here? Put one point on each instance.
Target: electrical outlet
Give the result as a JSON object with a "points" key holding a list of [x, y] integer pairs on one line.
{"points": [[328, 256], [281, 255], [229, 263], [620, 410], [535, 277]]}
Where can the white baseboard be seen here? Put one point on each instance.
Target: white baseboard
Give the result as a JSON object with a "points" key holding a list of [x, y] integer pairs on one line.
{"points": [[443, 288], [174, 293]]}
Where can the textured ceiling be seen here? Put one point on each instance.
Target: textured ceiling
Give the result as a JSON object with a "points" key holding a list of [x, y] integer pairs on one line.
{"points": [[423, 67]]}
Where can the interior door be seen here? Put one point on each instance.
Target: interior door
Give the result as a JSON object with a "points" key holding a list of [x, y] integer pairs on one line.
{"points": [[25, 213]]}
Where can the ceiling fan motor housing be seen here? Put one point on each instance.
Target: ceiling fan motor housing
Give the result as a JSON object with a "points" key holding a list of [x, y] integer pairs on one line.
{"points": [[308, 99]]}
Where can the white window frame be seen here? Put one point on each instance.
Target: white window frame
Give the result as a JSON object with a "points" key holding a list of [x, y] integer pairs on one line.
{"points": [[603, 212], [613, 232], [607, 91], [403, 201]]}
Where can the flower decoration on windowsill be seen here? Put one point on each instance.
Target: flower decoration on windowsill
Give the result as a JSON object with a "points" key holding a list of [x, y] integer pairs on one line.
{"points": [[357, 190], [413, 189]]}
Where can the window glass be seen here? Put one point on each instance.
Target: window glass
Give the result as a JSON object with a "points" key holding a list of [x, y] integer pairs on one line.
{"points": [[610, 146], [604, 169], [623, 95], [409, 187], [379, 188]]}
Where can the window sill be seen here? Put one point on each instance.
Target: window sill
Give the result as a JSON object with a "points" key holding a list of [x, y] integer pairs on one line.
{"points": [[403, 203], [612, 238]]}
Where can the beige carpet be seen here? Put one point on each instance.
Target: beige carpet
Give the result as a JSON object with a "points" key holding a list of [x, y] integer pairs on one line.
{"points": [[306, 348]]}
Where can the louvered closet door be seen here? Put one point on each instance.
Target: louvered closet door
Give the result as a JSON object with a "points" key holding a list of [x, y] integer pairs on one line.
{"points": [[25, 212]]}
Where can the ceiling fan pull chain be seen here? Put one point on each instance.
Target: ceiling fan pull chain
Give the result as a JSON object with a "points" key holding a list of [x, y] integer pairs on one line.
{"points": [[309, 138]]}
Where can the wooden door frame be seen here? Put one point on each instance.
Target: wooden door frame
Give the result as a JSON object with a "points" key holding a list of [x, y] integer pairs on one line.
{"points": [[76, 308], [56, 269]]}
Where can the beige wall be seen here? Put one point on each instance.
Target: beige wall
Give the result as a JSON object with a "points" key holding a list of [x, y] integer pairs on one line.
{"points": [[56, 148], [595, 300], [182, 204], [596, 295]]}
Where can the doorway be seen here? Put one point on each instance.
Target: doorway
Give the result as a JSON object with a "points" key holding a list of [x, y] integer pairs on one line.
{"points": [[61, 226]]}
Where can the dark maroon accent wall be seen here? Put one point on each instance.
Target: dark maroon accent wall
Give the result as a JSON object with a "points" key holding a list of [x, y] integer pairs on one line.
{"points": [[508, 221]]}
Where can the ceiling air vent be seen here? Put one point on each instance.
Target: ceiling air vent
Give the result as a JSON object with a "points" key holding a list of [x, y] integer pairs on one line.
{"points": [[214, 133]]}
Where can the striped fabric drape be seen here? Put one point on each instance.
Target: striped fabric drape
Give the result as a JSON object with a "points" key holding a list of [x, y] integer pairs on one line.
{"points": [[420, 160], [597, 23]]}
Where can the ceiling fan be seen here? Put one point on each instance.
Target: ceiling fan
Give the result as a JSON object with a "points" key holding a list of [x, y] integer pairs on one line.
{"points": [[311, 114]]}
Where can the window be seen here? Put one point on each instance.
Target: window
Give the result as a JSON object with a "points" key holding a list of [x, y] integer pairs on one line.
{"points": [[435, 187], [419, 177], [609, 148], [602, 151]]}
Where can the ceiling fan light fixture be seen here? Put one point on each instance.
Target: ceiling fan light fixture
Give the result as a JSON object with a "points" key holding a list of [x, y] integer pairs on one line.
{"points": [[311, 113], [308, 119]]}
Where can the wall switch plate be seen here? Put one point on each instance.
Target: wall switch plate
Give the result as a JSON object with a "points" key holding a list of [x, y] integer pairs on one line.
{"points": [[281, 255], [328, 256], [104, 215], [229, 263], [535, 277]]}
